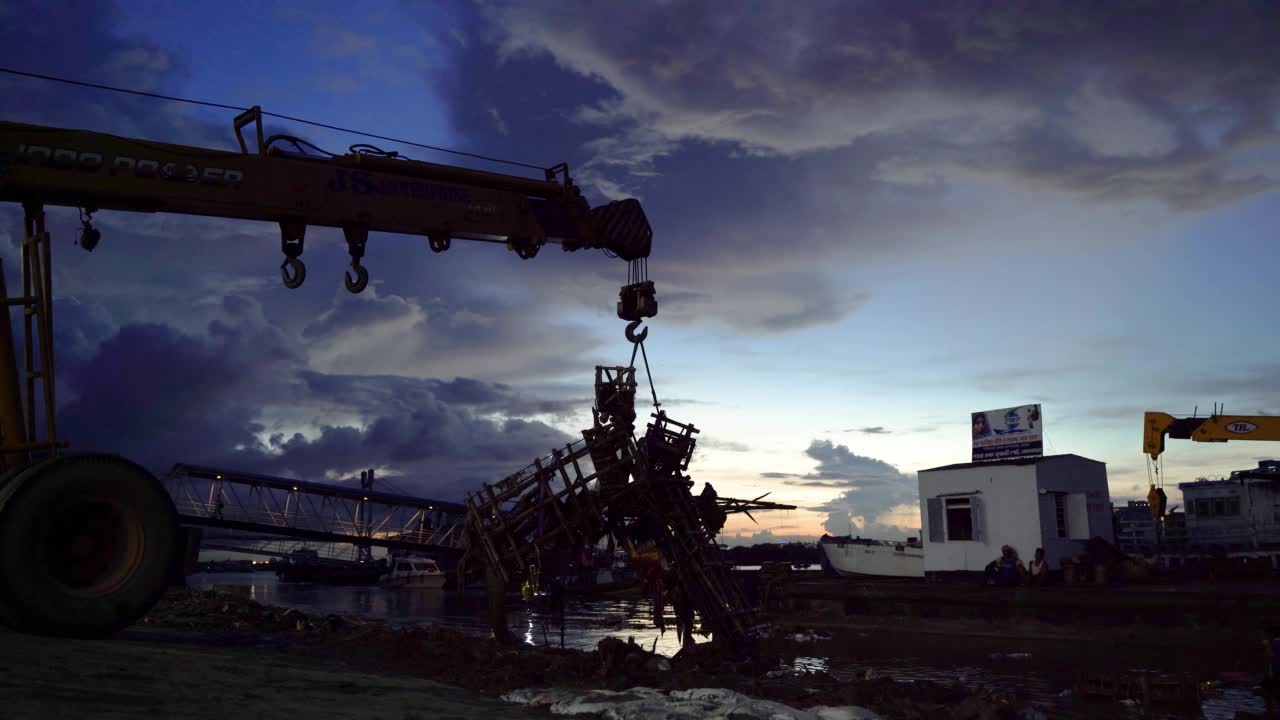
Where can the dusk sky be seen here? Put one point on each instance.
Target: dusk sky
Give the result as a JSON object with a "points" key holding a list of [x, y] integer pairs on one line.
{"points": [[870, 219]]}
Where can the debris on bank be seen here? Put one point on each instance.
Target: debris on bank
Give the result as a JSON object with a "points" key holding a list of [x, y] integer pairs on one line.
{"points": [[481, 664], [643, 703]]}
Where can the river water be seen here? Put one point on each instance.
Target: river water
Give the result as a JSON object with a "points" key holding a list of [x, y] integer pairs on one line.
{"points": [[587, 622]]}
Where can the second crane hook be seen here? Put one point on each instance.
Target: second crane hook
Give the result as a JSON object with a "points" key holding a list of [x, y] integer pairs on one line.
{"points": [[361, 280], [293, 272], [631, 332]]}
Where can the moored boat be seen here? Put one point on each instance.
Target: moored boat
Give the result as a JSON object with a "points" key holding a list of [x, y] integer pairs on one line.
{"points": [[414, 573], [880, 558]]}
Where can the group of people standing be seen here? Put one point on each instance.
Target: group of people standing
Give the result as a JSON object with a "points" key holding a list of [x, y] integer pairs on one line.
{"points": [[1008, 570]]}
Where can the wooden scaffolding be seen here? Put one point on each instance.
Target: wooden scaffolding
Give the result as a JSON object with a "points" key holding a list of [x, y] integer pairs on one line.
{"points": [[610, 484]]}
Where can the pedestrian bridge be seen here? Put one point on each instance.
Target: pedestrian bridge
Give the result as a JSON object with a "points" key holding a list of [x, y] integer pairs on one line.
{"points": [[270, 514]]}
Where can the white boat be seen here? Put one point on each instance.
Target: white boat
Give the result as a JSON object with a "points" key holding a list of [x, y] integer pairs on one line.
{"points": [[414, 573], [857, 556]]}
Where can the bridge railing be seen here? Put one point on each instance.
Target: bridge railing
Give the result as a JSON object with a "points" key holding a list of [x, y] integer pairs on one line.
{"points": [[316, 511]]}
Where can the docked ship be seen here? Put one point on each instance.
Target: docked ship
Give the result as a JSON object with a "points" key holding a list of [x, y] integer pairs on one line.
{"points": [[860, 556], [306, 566]]}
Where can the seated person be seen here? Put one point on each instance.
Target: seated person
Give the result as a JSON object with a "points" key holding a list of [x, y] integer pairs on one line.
{"points": [[1039, 571], [1006, 570]]}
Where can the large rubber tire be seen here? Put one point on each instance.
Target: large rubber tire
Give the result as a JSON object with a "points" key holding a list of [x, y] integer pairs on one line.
{"points": [[87, 544]]}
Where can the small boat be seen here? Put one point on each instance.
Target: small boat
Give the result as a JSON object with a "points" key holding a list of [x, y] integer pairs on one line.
{"points": [[414, 573], [859, 556]]}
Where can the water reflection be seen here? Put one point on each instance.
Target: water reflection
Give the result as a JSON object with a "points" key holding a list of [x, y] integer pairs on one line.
{"points": [[586, 623]]}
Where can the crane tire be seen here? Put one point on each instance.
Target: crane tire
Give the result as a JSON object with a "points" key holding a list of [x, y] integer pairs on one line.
{"points": [[86, 545]]}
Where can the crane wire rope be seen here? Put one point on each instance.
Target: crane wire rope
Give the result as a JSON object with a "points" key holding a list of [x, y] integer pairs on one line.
{"points": [[292, 118], [638, 347], [638, 270], [279, 116]]}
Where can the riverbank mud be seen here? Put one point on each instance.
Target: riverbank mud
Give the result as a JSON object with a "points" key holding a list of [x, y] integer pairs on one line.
{"points": [[225, 654]]}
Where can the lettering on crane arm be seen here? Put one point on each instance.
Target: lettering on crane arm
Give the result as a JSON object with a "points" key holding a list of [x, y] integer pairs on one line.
{"points": [[124, 165], [1241, 427], [363, 183]]}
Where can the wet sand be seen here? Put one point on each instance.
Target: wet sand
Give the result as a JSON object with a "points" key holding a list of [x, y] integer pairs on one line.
{"points": [[149, 673], [215, 655], [207, 654]]}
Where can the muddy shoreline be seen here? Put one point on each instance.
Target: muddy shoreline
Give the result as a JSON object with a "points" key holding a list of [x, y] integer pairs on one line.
{"points": [[212, 654], [162, 674], [231, 656]]}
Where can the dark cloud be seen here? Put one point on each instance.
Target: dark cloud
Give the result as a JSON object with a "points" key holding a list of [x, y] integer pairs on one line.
{"points": [[874, 496], [433, 336], [819, 483], [1245, 387], [177, 342], [762, 537], [678, 402], [1118, 413], [1011, 379], [34, 36], [865, 131], [229, 397], [710, 244], [1106, 98], [872, 430], [838, 463], [714, 443]]}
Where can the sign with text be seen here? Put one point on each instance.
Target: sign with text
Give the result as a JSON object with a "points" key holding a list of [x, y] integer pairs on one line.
{"points": [[1008, 433]]}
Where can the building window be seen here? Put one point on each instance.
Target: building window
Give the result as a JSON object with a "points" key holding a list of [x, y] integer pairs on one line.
{"points": [[1226, 506], [1060, 512], [1233, 505], [959, 519]]}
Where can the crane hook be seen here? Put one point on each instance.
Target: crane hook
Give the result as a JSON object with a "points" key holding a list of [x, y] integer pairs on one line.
{"points": [[361, 280], [293, 280], [631, 332]]}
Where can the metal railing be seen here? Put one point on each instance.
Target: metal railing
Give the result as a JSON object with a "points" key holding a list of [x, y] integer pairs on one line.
{"points": [[318, 512]]}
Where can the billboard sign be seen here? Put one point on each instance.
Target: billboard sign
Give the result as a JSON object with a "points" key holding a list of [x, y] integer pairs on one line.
{"points": [[1011, 432]]}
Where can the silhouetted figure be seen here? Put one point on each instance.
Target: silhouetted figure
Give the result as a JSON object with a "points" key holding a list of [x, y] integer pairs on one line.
{"points": [[1039, 570], [555, 604], [1006, 570]]}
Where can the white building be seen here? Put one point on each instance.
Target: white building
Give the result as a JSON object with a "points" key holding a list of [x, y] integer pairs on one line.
{"points": [[970, 510], [1240, 514]]}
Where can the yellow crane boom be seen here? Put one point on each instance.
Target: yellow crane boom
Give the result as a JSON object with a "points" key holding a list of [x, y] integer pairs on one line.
{"points": [[1215, 428]]}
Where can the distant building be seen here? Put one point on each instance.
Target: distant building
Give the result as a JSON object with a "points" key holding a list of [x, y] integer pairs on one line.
{"points": [[1135, 528], [1238, 514], [970, 510], [1175, 532], [1136, 533]]}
